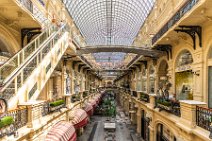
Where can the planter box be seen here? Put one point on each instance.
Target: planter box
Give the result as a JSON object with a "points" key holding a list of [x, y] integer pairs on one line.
{"points": [[164, 107], [52, 109]]}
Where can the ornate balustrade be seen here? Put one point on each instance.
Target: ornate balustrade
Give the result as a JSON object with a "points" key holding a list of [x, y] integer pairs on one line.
{"points": [[19, 118], [177, 16], [75, 98], [134, 94], [168, 105], [144, 97], [204, 117], [53, 106]]}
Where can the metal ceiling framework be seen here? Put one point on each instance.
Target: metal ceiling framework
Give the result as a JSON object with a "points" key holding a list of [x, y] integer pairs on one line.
{"points": [[109, 22], [109, 28], [124, 49]]}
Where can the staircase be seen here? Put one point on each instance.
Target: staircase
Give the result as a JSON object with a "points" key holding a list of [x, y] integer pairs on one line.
{"points": [[24, 75]]}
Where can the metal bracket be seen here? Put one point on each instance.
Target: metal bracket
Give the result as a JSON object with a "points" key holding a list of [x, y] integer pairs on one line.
{"points": [[166, 48], [30, 33], [192, 31]]}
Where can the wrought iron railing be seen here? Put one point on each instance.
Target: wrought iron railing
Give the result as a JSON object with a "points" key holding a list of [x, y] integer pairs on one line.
{"points": [[134, 94], [144, 97], [47, 109], [20, 119], [168, 105], [75, 98], [203, 117], [180, 13]]}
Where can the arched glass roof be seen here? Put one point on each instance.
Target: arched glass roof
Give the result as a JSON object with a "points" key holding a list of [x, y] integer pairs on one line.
{"points": [[109, 22]]}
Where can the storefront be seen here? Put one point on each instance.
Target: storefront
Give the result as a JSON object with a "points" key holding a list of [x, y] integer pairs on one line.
{"points": [[184, 76]]}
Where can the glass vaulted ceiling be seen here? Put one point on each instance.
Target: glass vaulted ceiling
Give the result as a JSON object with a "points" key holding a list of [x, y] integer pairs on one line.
{"points": [[109, 22]]}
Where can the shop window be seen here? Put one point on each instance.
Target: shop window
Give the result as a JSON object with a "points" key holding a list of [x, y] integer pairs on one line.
{"points": [[144, 78], [151, 79], [184, 76]]}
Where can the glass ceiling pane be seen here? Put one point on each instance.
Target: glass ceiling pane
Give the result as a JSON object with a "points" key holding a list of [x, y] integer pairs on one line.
{"points": [[109, 22]]}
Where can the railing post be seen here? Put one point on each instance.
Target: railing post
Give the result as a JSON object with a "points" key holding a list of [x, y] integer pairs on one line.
{"points": [[152, 100], [188, 112], [34, 111]]}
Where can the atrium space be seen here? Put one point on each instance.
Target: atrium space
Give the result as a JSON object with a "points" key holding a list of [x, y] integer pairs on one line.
{"points": [[105, 70]]}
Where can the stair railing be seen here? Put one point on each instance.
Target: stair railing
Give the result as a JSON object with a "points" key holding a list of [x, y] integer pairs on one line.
{"points": [[17, 80], [10, 67]]}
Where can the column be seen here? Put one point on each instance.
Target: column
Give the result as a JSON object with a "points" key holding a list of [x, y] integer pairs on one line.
{"points": [[138, 114], [188, 112]]}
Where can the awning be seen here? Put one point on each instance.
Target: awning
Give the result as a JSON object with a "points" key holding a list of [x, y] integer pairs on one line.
{"points": [[89, 109], [93, 103], [62, 131], [80, 118]]}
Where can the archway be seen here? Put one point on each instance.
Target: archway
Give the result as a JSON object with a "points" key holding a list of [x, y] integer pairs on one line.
{"points": [[210, 78], [144, 126], [143, 79], [162, 73], [151, 79], [184, 76], [164, 133]]}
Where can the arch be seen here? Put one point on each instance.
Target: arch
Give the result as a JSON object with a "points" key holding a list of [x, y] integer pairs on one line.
{"points": [[8, 40], [158, 122], [181, 57], [178, 52]]}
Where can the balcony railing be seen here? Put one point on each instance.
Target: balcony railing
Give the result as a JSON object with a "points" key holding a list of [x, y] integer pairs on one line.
{"points": [[168, 105], [144, 97], [20, 119], [204, 117], [53, 106], [18, 68], [180, 13], [75, 98], [134, 94]]}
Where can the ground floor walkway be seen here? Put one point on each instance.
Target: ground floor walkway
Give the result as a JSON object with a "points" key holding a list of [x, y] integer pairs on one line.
{"points": [[94, 131]]}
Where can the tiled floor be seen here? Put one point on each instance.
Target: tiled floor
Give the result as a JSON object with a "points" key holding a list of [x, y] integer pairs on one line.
{"points": [[123, 129]]}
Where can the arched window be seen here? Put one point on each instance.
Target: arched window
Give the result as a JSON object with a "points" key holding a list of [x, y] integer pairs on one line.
{"points": [[144, 78], [184, 58], [151, 79], [164, 133]]}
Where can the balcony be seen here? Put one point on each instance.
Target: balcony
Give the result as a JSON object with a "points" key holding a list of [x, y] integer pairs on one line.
{"points": [[144, 97], [174, 19], [168, 105], [204, 118]]}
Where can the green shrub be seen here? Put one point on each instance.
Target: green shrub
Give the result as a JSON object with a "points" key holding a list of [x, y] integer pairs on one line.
{"points": [[5, 121], [57, 103]]}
